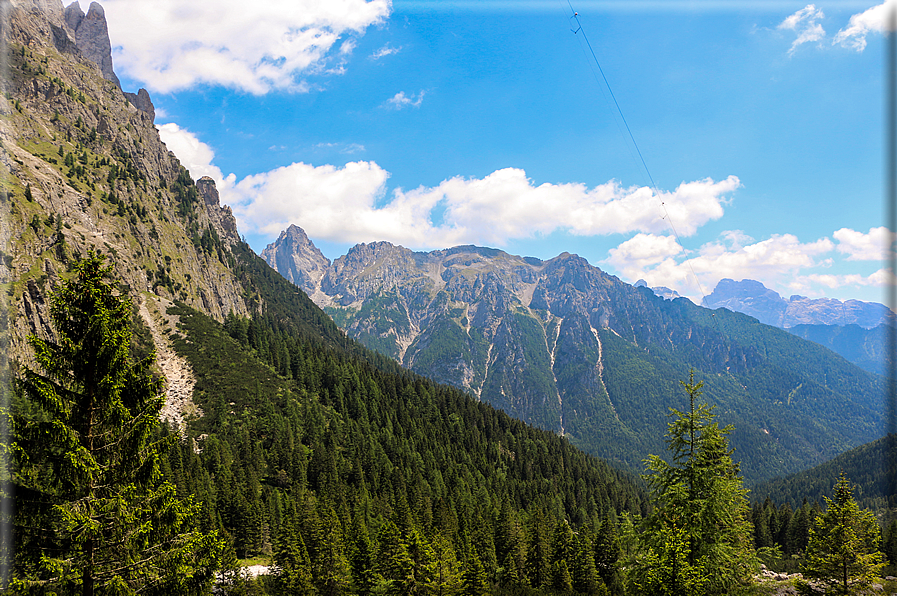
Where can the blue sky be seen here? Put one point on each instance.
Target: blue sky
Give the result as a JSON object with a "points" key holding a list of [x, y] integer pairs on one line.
{"points": [[431, 124]]}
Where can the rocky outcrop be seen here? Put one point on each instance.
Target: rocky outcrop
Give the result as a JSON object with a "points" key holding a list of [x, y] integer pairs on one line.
{"points": [[141, 100], [91, 34], [219, 216]]}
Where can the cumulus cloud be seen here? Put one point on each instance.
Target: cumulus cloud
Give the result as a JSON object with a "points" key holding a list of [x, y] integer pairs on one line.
{"points": [[643, 251], [860, 25], [804, 24], [805, 283], [351, 203], [776, 259], [876, 245], [330, 203], [193, 154], [400, 100], [256, 47]]}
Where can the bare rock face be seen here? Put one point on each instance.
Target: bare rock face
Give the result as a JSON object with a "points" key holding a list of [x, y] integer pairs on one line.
{"points": [[220, 216], [129, 198], [141, 100], [92, 36], [297, 259]]}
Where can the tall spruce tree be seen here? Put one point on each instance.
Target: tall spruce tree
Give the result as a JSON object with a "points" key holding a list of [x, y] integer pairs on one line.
{"points": [[842, 552], [87, 457], [699, 532]]}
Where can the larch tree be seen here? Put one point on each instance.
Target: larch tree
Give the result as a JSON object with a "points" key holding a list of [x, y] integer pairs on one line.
{"points": [[843, 548], [87, 459], [698, 539]]}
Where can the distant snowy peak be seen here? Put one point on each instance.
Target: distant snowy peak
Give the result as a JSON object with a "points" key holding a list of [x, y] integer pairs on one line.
{"points": [[753, 298]]}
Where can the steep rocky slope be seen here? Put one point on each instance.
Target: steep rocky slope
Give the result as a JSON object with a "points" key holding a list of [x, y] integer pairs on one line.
{"points": [[83, 168], [563, 345]]}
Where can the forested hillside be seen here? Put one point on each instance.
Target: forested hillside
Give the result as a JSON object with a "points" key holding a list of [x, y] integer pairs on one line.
{"points": [[867, 465]]}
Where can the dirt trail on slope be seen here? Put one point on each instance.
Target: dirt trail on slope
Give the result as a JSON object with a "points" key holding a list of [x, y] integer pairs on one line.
{"points": [[178, 374]]}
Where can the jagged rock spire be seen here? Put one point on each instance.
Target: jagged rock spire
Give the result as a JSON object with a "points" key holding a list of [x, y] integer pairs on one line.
{"points": [[92, 36]]}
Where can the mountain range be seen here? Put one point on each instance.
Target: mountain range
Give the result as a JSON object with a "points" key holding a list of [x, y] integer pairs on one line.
{"points": [[565, 346]]}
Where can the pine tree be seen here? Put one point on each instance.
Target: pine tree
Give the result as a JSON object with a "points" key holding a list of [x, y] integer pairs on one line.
{"points": [[842, 552], [583, 572], [291, 558], [561, 555], [538, 563], [362, 557], [475, 581], [607, 553], [700, 523], [393, 561], [446, 569], [90, 452]]}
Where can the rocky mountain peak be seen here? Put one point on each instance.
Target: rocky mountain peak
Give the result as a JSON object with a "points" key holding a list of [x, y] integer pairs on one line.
{"points": [[662, 291], [91, 35], [297, 258]]}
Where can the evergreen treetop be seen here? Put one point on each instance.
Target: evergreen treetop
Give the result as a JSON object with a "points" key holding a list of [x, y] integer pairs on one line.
{"points": [[88, 459]]}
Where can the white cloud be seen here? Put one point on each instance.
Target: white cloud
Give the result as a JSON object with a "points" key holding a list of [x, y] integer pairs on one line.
{"points": [[385, 51], [876, 245], [347, 47], [346, 205], [860, 25], [775, 261], [400, 100], [193, 154], [506, 204], [804, 23], [643, 251], [252, 46], [350, 203], [804, 283], [327, 201]]}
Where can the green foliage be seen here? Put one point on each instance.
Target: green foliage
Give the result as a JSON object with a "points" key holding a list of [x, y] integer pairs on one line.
{"points": [[88, 459], [698, 538], [842, 553]]}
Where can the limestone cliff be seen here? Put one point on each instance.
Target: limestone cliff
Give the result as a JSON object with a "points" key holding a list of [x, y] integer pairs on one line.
{"points": [[83, 168], [92, 36]]}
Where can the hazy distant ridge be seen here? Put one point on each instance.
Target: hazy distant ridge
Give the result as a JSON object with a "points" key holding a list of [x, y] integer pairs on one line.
{"points": [[767, 306]]}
